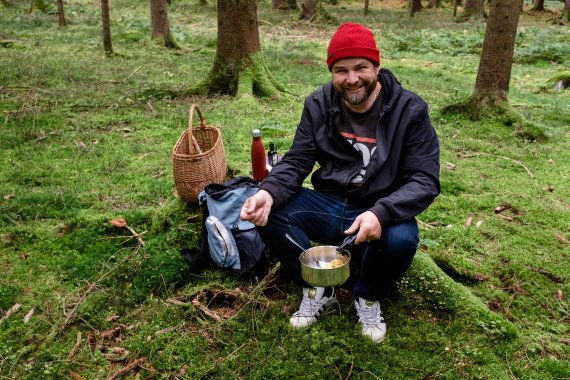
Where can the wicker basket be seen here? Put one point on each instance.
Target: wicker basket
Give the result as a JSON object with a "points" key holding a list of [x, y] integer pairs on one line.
{"points": [[198, 158]]}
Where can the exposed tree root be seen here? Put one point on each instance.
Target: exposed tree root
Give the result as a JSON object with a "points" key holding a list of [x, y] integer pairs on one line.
{"points": [[248, 76], [426, 278], [478, 107]]}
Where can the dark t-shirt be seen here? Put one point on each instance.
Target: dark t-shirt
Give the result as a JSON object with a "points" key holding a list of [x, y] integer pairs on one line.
{"points": [[359, 129]]}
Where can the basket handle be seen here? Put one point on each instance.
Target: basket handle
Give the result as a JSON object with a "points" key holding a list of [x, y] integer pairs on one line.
{"points": [[193, 144]]}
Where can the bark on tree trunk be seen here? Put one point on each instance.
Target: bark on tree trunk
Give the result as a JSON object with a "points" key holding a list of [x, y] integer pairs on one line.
{"points": [[309, 9], [160, 24], [474, 8], [496, 62], [366, 5], [538, 6], [433, 4], [107, 45], [238, 67], [567, 9], [278, 4], [60, 13], [415, 6]]}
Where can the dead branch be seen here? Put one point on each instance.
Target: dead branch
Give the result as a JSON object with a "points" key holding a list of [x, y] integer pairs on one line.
{"points": [[127, 368], [93, 286], [135, 234], [29, 315], [75, 346], [503, 157], [69, 315], [548, 275], [210, 313], [12, 310]]}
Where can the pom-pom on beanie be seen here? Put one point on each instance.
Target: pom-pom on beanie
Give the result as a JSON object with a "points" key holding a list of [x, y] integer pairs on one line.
{"points": [[352, 41]]}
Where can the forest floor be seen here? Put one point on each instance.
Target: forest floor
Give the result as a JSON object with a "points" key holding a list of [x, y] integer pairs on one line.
{"points": [[86, 140]]}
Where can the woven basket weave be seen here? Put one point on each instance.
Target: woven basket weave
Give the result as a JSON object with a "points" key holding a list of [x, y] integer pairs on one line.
{"points": [[198, 158]]}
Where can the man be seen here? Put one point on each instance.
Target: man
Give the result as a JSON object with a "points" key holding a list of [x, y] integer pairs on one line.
{"points": [[378, 168]]}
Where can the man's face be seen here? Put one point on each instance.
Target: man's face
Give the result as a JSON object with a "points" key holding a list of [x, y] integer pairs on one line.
{"points": [[354, 79]]}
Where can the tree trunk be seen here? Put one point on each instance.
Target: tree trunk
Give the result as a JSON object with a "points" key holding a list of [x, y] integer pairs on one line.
{"points": [[473, 8], [433, 4], [160, 25], [279, 4], [493, 76], [238, 67], [309, 9], [366, 5], [567, 9], [60, 13], [538, 6], [107, 45], [496, 62], [415, 6]]}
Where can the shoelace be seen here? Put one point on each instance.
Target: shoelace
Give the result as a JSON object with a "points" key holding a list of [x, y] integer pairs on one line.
{"points": [[309, 307], [370, 315]]}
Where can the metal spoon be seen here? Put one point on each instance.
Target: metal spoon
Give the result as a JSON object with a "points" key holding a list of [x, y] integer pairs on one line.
{"points": [[315, 261]]}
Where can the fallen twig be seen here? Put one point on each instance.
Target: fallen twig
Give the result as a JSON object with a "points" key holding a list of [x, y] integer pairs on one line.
{"points": [[29, 315], [548, 275], [503, 157], [210, 313], [135, 234], [75, 346], [127, 368], [11, 311], [133, 73], [69, 315]]}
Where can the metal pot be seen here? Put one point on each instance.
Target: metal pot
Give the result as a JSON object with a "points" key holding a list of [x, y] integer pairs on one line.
{"points": [[318, 269]]}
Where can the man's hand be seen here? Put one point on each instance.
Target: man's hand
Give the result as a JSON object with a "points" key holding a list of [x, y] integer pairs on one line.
{"points": [[368, 227], [256, 208]]}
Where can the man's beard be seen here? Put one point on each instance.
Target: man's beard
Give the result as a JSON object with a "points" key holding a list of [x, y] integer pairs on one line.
{"points": [[357, 99]]}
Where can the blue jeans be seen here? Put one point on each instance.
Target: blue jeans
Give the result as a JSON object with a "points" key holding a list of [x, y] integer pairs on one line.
{"points": [[315, 217]]}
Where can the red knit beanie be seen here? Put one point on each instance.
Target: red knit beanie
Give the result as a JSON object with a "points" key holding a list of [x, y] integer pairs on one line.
{"points": [[350, 41]]}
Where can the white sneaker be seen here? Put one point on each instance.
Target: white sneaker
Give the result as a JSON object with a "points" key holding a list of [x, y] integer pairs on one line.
{"points": [[370, 318], [315, 301]]}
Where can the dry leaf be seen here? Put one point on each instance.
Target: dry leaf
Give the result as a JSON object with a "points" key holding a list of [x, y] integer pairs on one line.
{"points": [[478, 224], [23, 256], [469, 221], [450, 166], [480, 277], [560, 295], [9, 196], [118, 222]]}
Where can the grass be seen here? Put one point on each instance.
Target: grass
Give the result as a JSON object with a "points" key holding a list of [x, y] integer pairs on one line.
{"points": [[84, 140]]}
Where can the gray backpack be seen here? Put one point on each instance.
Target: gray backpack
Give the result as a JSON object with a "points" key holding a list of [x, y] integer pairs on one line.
{"points": [[233, 243]]}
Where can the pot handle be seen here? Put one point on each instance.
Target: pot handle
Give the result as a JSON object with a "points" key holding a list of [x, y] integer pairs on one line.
{"points": [[346, 246]]}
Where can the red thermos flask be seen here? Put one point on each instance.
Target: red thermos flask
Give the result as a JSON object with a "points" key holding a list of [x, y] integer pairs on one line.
{"points": [[258, 163]]}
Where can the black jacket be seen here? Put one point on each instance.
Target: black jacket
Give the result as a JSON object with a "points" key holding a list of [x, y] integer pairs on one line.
{"points": [[402, 178]]}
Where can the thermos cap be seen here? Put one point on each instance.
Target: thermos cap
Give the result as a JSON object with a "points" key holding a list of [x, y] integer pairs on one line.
{"points": [[256, 133]]}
